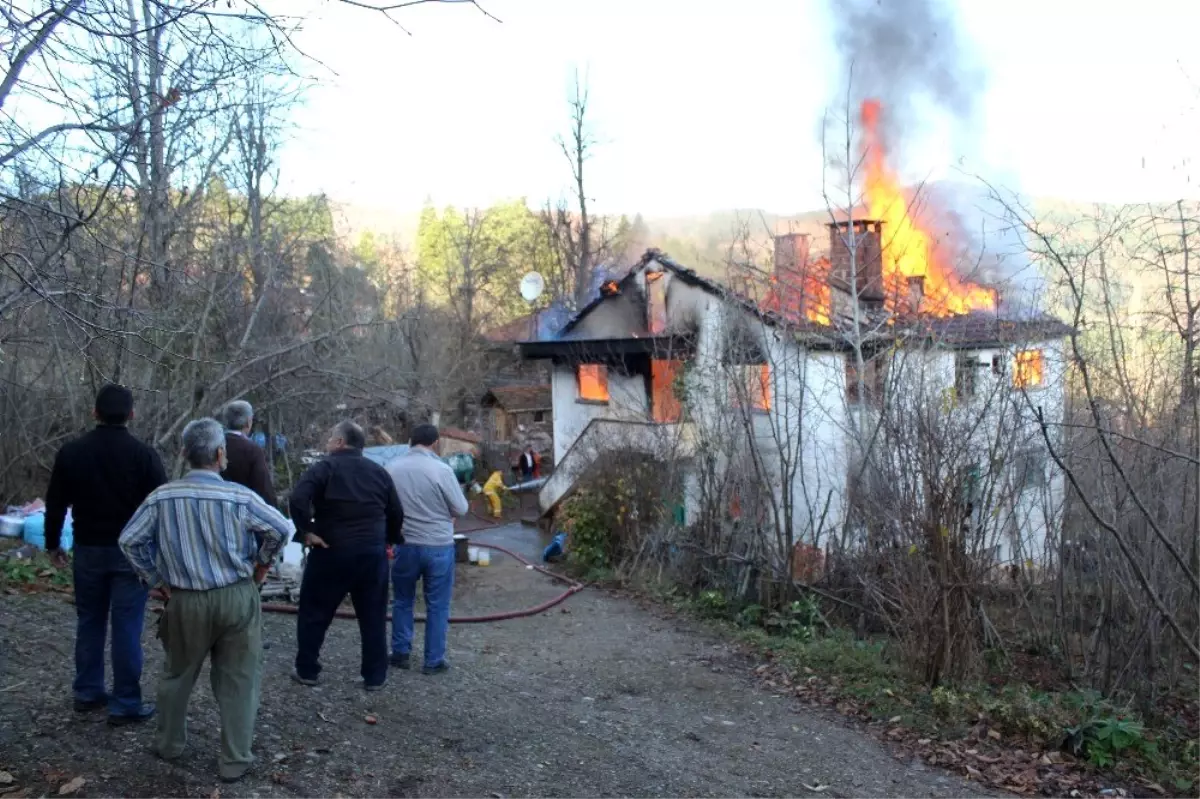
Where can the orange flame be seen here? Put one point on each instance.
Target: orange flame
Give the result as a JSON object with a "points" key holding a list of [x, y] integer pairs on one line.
{"points": [[909, 249], [1029, 369]]}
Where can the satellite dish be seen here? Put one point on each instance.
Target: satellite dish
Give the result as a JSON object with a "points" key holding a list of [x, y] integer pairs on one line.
{"points": [[532, 286]]}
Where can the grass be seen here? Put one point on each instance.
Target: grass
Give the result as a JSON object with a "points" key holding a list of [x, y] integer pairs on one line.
{"points": [[860, 678]]}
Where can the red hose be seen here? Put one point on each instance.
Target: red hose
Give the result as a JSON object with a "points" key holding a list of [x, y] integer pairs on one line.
{"points": [[574, 587]]}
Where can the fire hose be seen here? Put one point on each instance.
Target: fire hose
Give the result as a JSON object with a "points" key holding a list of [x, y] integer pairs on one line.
{"points": [[573, 587]]}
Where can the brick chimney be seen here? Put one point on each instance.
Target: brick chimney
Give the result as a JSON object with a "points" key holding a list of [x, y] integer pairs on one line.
{"points": [[916, 293], [868, 266], [791, 263], [791, 254]]}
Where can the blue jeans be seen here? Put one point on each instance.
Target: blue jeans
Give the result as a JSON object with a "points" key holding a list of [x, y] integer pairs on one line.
{"points": [[107, 587], [435, 568], [329, 575]]}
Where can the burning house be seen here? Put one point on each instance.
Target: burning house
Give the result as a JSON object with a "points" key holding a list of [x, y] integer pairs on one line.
{"points": [[799, 365]]}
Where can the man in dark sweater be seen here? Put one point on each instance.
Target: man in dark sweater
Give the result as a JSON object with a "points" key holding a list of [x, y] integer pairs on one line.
{"points": [[346, 512], [103, 477], [247, 462]]}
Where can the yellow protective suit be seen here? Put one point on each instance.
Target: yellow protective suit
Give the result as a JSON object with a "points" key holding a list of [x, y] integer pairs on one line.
{"points": [[492, 489]]}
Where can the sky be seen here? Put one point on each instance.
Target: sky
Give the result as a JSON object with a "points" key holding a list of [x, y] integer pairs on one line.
{"points": [[699, 107]]}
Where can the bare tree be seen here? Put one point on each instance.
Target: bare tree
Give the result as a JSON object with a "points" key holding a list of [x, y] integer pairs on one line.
{"points": [[579, 239]]}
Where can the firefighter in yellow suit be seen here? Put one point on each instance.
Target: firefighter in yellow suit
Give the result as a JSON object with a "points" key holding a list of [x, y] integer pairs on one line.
{"points": [[492, 489]]}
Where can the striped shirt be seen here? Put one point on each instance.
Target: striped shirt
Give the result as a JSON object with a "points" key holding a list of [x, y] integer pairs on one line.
{"points": [[197, 533]]}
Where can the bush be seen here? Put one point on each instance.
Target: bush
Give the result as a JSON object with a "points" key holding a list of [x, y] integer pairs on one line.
{"points": [[607, 520]]}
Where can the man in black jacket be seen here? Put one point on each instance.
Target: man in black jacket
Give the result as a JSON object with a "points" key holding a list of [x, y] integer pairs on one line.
{"points": [[103, 477], [346, 512]]}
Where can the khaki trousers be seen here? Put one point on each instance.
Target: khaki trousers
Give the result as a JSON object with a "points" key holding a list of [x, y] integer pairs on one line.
{"points": [[226, 624]]}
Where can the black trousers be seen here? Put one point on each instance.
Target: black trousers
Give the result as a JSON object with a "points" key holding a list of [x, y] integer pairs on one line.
{"points": [[330, 574]]}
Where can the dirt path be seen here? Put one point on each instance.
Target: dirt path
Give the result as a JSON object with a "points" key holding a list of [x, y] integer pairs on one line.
{"points": [[596, 698]]}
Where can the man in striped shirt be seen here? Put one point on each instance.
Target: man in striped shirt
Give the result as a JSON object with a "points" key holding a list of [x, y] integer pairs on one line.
{"points": [[195, 539]]}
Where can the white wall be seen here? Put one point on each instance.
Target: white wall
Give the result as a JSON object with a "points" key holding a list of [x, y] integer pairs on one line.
{"points": [[993, 426], [627, 401]]}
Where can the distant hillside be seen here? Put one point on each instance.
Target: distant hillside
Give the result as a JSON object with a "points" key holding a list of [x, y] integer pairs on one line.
{"points": [[351, 220], [703, 242]]}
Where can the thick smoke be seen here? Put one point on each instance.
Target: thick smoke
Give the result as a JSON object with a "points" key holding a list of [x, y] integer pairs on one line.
{"points": [[988, 247], [910, 55]]}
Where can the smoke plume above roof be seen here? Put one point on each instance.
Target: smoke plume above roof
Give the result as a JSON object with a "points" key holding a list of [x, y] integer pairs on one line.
{"points": [[909, 54]]}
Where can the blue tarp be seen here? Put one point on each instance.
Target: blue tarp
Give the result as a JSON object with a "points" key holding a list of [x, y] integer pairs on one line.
{"points": [[260, 438], [382, 455]]}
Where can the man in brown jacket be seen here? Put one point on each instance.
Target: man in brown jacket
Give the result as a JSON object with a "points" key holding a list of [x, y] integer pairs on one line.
{"points": [[247, 461]]}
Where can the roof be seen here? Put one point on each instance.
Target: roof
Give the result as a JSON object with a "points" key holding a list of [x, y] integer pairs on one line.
{"points": [[520, 329], [689, 276], [459, 435], [983, 329], [516, 399], [976, 329]]}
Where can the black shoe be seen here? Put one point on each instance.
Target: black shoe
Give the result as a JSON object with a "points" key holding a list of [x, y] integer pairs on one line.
{"points": [[438, 669], [309, 681], [145, 713], [401, 660], [88, 706]]}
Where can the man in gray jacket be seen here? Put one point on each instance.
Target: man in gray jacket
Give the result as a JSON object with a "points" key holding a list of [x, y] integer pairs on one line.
{"points": [[431, 497]]}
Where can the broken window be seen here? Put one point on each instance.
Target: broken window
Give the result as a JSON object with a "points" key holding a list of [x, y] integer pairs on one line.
{"points": [[874, 378], [748, 370], [1029, 469], [656, 303], [1029, 369], [593, 382], [966, 371], [664, 400]]}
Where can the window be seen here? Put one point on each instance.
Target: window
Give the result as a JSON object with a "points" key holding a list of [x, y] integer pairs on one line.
{"points": [[593, 382], [966, 369], [874, 379], [1029, 469], [539, 416], [664, 402], [755, 386], [1029, 369]]}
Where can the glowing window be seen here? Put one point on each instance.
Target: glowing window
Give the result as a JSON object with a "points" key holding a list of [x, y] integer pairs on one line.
{"points": [[756, 385], [593, 382], [664, 403], [1029, 369]]}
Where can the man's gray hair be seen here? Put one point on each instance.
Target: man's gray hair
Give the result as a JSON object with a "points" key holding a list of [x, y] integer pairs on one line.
{"points": [[349, 431], [201, 440], [237, 415]]}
